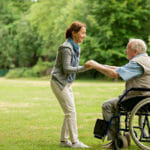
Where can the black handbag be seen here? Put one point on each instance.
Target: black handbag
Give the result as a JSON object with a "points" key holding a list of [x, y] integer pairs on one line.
{"points": [[100, 128]]}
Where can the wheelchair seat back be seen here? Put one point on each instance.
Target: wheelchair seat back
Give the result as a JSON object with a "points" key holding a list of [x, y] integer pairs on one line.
{"points": [[128, 104]]}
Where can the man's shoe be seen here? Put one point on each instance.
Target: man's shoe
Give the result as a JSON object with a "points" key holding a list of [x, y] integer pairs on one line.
{"points": [[107, 144], [79, 145], [65, 143]]}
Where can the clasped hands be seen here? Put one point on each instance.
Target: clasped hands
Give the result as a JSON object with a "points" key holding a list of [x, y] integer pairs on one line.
{"points": [[91, 64]]}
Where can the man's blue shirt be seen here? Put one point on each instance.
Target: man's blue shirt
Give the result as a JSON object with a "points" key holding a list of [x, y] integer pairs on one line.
{"points": [[130, 70]]}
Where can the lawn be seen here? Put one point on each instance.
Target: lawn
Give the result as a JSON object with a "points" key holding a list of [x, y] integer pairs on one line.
{"points": [[31, 118]]}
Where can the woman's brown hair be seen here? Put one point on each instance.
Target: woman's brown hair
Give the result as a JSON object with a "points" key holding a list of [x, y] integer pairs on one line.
{"points": [[75, 26]]}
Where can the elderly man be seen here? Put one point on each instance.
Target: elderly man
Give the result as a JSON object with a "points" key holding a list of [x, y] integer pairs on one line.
{"points": [[136, 73]]}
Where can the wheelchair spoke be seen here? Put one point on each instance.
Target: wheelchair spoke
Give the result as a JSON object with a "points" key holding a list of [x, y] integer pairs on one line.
{"points": [[139, 124]]}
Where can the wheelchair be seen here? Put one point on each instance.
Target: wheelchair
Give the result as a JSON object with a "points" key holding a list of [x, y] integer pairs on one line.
{"points": [[133, 117]]}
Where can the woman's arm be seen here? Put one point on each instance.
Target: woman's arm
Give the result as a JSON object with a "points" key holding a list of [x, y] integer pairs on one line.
{"points": [[66, 62]]}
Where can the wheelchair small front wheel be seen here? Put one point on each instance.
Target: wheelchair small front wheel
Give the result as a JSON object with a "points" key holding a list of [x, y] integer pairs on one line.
{"points": [[121, 142], [139, 124]]}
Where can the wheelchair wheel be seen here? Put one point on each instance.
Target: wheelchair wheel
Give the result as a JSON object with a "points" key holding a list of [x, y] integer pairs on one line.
{"points": [[140, 130], [121, 142]]}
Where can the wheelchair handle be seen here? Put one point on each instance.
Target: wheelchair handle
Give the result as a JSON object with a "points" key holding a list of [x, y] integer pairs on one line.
{"points": [[132, 89]]}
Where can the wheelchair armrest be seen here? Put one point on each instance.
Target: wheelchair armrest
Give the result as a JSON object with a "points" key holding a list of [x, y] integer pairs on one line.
{"points": [[132, 89]]}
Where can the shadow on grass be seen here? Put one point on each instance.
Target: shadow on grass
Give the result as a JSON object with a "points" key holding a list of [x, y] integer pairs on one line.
{"points": [[48, 145], [99, 147], [92, 147]]}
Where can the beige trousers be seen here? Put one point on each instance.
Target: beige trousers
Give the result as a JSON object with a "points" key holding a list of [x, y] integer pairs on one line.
{"points": [[65, 98], [109, 110]]}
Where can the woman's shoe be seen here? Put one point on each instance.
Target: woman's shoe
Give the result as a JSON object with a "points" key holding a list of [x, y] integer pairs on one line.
{"points": [[79, 145], [65, 143]]}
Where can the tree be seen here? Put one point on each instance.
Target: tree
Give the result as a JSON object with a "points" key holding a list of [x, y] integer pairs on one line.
{"points": [[19, 44], [52, 20], [115, 21]]}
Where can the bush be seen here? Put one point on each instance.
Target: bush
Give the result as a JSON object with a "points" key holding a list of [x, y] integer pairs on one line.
{"points": [[3, 72], [15, 73], [42, 68], [39, 70]]}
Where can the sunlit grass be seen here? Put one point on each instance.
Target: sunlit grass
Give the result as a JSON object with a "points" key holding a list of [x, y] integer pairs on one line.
{"points": [[31, 118]]}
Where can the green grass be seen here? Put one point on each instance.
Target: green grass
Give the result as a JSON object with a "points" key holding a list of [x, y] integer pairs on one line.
{"points": [[31, 118]]}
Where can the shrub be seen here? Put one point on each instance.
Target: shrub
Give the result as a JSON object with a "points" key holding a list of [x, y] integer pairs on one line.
{"points": [[15, 73], [39, 70], [42, 69]]}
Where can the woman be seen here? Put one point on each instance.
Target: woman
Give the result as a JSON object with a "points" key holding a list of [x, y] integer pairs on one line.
{"points": [[63, 74]]}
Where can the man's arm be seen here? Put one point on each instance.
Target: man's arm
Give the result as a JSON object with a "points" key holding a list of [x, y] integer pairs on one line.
{"points": [[111, 67], [109, 71]]}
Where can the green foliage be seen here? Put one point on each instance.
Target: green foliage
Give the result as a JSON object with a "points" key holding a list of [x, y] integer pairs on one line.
{"points": [[111, 56], [7, 46], [119, 20], [32, 30], [42, 68], [16, 73], [112, 24], [39, 70], [29, 45], [3, 72], [20, 46], [52, 21], [21, 73]]}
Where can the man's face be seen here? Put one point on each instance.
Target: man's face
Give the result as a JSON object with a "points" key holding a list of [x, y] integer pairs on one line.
{"points": [[131, 52]]}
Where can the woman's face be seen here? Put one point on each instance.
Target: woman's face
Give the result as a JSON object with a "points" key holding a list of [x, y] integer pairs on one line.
{"points": [[78, 37]]}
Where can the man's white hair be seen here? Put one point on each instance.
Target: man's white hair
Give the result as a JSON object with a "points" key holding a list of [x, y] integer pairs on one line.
{"points": [[138, 44]]}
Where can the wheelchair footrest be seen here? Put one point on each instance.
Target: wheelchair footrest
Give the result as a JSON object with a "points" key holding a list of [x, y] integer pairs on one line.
{"points": [[100, 128], [97, 136]]}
